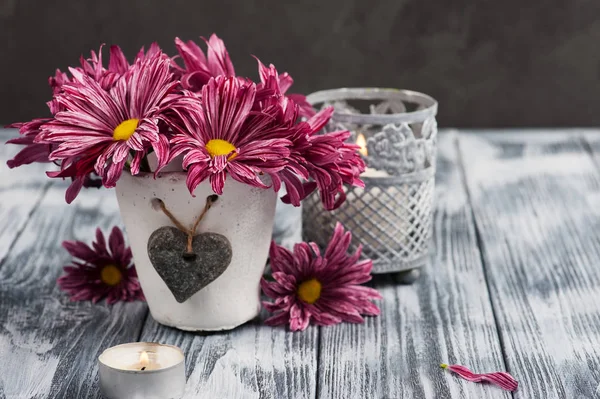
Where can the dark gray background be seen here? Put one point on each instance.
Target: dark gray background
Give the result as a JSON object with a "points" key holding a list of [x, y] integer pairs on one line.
{"points": [[489, 63]]}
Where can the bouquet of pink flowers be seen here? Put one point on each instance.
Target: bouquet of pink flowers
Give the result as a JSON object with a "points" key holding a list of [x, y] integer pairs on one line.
{"points": [[216, 124]]}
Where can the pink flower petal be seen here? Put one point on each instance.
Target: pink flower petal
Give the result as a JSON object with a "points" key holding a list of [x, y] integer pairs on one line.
{"points": [[217, 181], [87, 108], [281, 258], [501, 379], [299, 318], [339, 297], [278, 319], [287, 281], [74, 189], [273, 289], [219, 62]]}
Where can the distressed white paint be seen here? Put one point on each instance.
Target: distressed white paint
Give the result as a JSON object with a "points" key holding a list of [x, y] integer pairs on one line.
{"points": [[540, 232], [490, 169], [252, 361], [17, 345], [445, 316], [541, 251], [244, 214], [48, 345], [20, 192]]}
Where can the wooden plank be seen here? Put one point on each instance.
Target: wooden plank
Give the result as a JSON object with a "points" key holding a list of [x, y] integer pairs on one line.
{"points": [[49, 345], [21, 191], [535, 200], [445, 316], [252, 361], [591, 141]]}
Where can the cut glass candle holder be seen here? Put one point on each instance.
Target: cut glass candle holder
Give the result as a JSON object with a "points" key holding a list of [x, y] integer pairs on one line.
{"points": [[392, 216]]}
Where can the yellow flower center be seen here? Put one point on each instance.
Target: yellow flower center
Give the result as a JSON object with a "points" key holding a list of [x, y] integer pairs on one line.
{"points": [[217, 147], [111, 275], [309, 291], [125, 129]]}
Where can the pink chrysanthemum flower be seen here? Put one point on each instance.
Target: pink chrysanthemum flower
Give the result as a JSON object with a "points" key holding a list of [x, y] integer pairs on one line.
{"points": [[309, 287], [108, 126], [94, 68], [332, 162], [328, 160], [79, 168], [227, 138], [39, 152], [284, 82], [101, 271], [325, 158], [33, 152], [118, 62], [108, 119], [199, 68]]}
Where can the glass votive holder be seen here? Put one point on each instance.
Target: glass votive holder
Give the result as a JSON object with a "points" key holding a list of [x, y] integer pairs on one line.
{"points": [[392, 216]]}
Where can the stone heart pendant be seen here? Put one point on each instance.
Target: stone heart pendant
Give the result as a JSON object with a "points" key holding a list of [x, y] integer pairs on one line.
{"points": [[184, 273]]}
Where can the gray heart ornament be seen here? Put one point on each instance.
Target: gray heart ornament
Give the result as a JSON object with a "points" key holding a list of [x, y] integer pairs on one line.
{"points": [[185, 274]]}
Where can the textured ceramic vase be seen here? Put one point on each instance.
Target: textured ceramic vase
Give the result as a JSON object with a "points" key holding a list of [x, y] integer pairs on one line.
{"points": [[244, 214]]}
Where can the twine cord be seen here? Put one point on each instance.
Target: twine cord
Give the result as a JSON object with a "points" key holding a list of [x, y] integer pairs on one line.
{"points": [[191, 232]]}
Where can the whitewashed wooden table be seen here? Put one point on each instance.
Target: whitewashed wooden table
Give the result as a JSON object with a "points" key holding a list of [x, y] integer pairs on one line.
{"points": [[514, 285]]}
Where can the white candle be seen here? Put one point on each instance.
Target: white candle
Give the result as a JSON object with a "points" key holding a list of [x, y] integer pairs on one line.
{"points": [[371, 172], [142, 370], [361, 141]]}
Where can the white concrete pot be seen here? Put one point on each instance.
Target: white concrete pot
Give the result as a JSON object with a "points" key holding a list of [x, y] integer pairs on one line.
{"points": [[243, 214]]}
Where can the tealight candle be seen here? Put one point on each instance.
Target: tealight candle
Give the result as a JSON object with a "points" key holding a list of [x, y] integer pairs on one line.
{"points": [[142, 370], [361, 141]]}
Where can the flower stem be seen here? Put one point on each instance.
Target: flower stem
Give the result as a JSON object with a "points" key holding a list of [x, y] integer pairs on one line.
{"points": [[144, 165]]}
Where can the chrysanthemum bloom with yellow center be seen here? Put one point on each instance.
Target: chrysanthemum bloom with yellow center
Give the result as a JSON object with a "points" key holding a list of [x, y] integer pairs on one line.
{"points": [[105, 120], [109, 125], [81, 173], [323, 289], [227, 138], [101, 271]]}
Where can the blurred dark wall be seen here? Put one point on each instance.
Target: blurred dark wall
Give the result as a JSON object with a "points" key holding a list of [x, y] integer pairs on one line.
{"points": [[489, 63]]}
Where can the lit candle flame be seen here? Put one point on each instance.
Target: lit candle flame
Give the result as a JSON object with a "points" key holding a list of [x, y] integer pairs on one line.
{"points": [[362, 143], [144, 359]]}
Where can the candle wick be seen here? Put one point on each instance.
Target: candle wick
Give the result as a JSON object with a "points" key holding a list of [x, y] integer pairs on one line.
{"points": [[143, 368]]}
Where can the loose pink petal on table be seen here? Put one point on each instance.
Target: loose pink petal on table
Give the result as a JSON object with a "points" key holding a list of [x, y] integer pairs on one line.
{"points": [[501, 379]]}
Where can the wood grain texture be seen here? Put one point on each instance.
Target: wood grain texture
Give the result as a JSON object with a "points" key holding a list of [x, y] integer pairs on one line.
{"points": [[591, 142], [446, 316], [49, 345], [534, 198], [535, 201], [21, 190], [252, 361]]}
